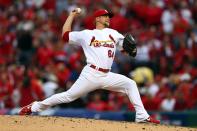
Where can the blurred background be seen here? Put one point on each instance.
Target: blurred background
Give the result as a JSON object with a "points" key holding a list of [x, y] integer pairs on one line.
{"points": [[35, 63]]}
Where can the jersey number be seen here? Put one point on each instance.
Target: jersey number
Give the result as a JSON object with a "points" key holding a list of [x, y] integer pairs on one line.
{"points": [[110, 54]]}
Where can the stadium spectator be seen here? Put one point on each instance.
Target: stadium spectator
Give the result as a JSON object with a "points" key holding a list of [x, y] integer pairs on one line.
{"points": [[168, 103]]}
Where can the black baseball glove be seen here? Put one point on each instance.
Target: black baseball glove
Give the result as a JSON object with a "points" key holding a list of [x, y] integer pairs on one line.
{"points": [[129, 45]]}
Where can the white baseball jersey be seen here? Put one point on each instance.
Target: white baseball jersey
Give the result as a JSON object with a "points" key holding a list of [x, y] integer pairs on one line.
{"points": [[99, 45]]}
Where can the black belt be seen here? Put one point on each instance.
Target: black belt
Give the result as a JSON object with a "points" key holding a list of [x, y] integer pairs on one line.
{"points": [[100, 69]]}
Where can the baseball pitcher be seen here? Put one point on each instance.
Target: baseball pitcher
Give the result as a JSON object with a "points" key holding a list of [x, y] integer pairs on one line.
{"points": [[99, 46]]}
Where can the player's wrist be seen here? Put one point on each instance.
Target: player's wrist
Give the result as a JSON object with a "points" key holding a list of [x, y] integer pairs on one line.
{"points": [[72, 14]]}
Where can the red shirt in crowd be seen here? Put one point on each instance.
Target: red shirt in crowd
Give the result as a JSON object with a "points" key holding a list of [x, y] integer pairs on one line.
{"points": [[98, 106], [115, 23], [6, 90], [31, 93], [44, 56], [153, 15]]}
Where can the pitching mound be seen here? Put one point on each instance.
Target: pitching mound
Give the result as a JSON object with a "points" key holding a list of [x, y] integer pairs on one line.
{"points": [[40, 123]]}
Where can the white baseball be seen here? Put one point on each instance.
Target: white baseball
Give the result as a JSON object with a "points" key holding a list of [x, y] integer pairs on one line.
{"points": [[78, 10]]}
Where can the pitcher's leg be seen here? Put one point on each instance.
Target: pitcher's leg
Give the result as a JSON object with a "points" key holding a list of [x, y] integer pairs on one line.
{"points": [[134, 96], [81, 87], [120, 83]]}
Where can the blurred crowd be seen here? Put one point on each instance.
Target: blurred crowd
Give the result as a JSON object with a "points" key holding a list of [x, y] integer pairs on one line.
{"points": [[35, 63]]}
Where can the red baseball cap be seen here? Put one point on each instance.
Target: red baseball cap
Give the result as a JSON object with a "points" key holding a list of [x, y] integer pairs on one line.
{"points": [[102, 12]]}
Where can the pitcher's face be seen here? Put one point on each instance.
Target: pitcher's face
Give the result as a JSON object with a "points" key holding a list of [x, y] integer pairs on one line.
{"points": [[104, 20]]}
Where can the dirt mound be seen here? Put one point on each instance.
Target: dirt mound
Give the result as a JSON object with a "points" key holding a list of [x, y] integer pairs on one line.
{"points": [[41, 123]]}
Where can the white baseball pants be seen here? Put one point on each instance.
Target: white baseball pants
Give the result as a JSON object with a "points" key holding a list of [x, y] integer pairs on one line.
{"points": [[90, 80]]}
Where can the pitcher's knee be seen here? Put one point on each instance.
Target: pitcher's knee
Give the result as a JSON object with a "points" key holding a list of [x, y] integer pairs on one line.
{"points": [[131, 84]]}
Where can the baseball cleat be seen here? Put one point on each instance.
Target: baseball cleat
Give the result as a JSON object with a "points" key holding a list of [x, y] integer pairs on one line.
{"points": [[152, 120], [26, 110]]}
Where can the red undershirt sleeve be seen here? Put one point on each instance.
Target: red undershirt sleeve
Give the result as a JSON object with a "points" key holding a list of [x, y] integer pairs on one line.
{"points": [[66, 36]]}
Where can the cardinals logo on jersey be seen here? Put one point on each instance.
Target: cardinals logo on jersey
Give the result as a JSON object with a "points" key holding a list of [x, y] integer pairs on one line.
{"points": [[104, 43]]}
